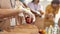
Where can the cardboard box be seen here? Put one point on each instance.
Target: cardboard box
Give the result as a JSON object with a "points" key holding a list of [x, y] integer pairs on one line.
{"points": [[39, 22]]}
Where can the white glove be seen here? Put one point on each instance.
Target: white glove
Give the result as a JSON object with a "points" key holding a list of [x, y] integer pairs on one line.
{"points": [[30, 13], [27, 10], [21, 14]]}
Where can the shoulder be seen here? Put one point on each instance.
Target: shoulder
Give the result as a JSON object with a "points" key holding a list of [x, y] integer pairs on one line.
{"points": [[30, 3], [48, 6], [39, 5]]}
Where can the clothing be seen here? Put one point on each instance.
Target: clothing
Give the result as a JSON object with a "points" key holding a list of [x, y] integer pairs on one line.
{"points": [[50, 15], [26, 10], [50, 10], [35, 7]]}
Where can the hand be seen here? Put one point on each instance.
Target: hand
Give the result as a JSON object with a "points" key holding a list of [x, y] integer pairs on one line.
{"points": [[41, 12], [40, 15]]}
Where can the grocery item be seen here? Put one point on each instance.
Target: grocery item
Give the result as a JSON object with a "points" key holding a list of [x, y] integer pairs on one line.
{"points": [[42, 31], [50, 30]]}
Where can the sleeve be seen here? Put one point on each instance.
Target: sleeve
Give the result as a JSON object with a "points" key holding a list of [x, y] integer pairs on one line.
{"points": [[32, 7], [40, 7], [28, 4]]}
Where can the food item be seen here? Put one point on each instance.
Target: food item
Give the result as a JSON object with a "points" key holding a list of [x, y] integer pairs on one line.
{"points": [[42, 31]]}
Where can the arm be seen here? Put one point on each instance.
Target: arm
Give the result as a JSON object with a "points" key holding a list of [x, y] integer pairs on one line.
{"points": [[7, 12], [28, 12], [36, 12], [31, 8], [31, 15], [40, 9]]}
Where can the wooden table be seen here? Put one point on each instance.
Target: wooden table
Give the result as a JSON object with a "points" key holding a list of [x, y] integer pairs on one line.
{"points": [[30, 29], [13, 33]]}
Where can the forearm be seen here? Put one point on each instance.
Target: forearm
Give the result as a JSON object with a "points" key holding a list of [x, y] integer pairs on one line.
{"points": [[33, 11], [36, 12], [7, 12]]}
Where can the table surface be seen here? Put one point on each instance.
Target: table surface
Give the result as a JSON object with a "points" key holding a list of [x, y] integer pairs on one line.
{"points": [[22, 29]]}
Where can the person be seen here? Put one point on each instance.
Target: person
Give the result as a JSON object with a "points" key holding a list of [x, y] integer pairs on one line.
{"points": [[20, 18], [51, 11], [5, 8], [57, 17], [7, 11], [27, 11], [53, 7], [36, 7]]}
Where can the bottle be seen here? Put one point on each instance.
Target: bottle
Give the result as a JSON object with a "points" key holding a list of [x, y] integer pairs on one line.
{"points": [[55, 28], [50, 30], [46, 30]]}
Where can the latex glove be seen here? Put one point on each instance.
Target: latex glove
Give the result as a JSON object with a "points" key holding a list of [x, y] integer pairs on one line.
{"points": [[27, 10]]}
